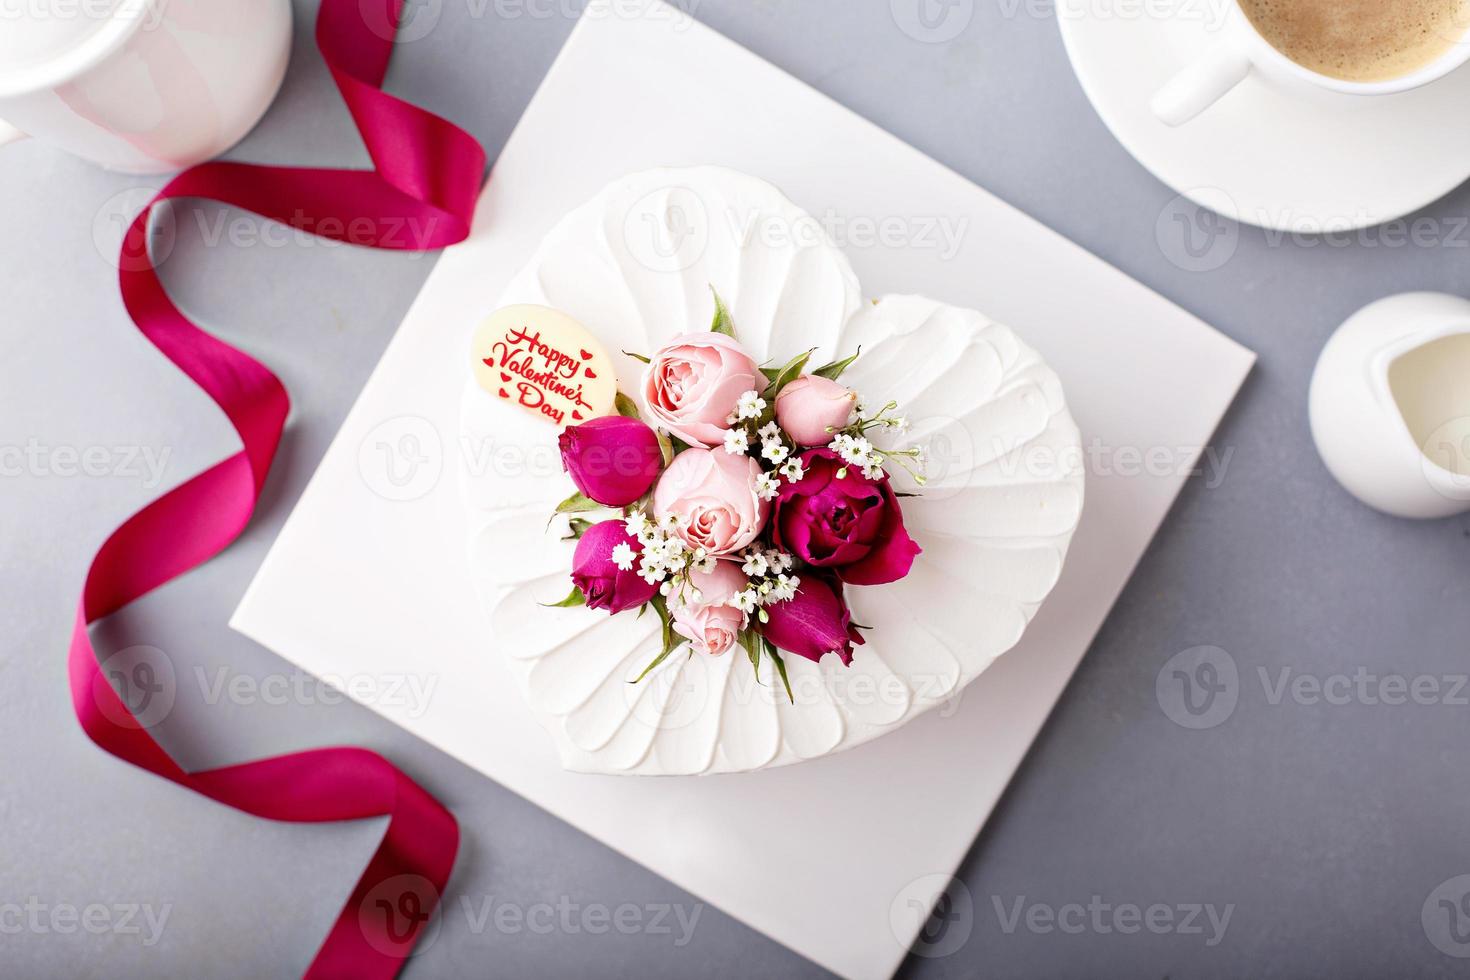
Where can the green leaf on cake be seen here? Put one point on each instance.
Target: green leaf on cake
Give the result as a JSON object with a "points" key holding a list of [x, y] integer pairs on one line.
{"points": [[570, 602], [671, 640], [775, 655], [577, 503], [576, 528], [834, 370], [724, 323], [752, 642], [781, 377], [627, 407]]}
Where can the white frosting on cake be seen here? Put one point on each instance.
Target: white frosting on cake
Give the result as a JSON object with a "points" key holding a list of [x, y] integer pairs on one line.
{"points": [[635, 265]]}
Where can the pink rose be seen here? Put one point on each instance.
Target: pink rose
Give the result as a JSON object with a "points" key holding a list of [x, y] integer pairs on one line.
{"points": [[711, 625], [692, 385], [712, 495], [809, 406]]}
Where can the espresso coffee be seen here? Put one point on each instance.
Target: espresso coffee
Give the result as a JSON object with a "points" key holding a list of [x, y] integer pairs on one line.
{"points": [[1361, 40]]}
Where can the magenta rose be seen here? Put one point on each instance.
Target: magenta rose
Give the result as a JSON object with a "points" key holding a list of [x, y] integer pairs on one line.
{"points": [[812, 408], [613, 460], [852, 525], [595, 569], [711, 624], [712, 495], [691, 386], [815, 622]]}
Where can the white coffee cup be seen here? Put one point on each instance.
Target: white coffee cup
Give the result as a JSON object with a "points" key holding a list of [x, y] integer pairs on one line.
{"points": [[1242, 51], [140, 86]]}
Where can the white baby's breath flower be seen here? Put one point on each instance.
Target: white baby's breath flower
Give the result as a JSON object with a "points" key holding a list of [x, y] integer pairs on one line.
{"points": [[900, 424], [746, 600], [755, 564], [636, 523], [785, 588], [775, 452], [767, 487], [793, 470], [737, 441], [770, 432], [750, 405], [623, 556]]}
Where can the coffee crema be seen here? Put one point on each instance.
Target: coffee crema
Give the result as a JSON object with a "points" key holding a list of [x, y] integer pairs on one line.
{"points": [[1361, 40]]}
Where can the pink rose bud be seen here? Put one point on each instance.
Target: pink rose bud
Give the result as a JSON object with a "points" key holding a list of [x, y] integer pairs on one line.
{"points": [[810, 406], [692, 386], [711, 625], [815, 622], [596, 572], [613, 460], [711, 494]]}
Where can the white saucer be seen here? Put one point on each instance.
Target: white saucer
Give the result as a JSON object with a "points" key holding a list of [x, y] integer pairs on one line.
{"points": [[1257, 155]]}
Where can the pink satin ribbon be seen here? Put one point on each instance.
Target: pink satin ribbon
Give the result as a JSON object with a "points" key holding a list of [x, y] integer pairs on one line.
{"points": [[427, 176]]}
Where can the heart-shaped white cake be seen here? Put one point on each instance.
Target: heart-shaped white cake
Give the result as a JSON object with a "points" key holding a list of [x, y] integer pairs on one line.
{"points": [[648, 260]]}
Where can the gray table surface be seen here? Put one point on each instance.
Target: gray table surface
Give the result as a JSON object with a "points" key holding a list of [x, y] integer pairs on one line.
{"points": [[1325, 829]]}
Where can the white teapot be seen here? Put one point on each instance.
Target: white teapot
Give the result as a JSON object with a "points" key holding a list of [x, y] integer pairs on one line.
{"points": [[141, 86], [1390, 405]]}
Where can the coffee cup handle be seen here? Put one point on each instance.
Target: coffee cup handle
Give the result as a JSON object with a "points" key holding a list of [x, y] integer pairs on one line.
{"points": [[1200, 85], [9, 134]]}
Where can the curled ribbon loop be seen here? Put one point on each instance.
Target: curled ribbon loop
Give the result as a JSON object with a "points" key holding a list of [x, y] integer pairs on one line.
{"points": [[426, 177]]}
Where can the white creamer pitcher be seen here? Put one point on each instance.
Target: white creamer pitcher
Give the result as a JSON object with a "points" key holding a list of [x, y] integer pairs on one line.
{"points": [[142, 86], [1390, 405]]}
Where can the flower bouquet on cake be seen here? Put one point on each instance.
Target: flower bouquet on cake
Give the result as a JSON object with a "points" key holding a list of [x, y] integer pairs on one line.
{"points": [[746, 503], [783, 520]]}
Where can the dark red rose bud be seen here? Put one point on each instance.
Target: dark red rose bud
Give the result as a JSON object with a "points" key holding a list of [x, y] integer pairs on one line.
{"points": [[596, 573], [815, 622], [850, 524], [612, 460]]}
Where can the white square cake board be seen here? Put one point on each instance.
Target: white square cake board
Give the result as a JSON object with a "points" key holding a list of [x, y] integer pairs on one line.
{"points": [[362, 586]]}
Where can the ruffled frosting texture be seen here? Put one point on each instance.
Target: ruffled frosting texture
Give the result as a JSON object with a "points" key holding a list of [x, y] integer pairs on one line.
{"points": [[1005, 489]]}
